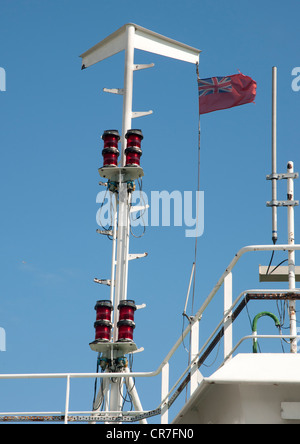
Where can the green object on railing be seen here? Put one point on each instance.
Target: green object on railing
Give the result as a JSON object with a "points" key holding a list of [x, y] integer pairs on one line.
{"points": [[254, 325]]}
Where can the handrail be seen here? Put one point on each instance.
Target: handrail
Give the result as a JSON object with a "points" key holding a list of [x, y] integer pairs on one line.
{"points": [[240, 253], [196, 357], [194, 319], [237, 257], [258, 337]]}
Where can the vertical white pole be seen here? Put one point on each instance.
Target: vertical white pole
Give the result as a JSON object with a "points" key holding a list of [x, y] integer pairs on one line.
{"points": [[164, 392], [194, 352], [128, 88], [274, 152], [123, 225], [134, 395], [228, 321], [120, 252], [291, 256], [113, 260], [116, 393], [67, 400], [123, 217]]}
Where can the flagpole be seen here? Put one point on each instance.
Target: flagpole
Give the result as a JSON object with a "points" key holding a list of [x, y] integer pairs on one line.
{"points": [[197, 205]]}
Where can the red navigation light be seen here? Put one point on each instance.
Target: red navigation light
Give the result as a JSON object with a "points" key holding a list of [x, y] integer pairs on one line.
{"points": [[103, 310], [110, 151], [133, 150], [103, 330], [103, 323], [125, 330], [126, 318], [126, 310]]}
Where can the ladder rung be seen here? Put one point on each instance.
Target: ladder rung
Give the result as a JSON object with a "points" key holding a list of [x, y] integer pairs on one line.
{"points": [[103, 281], [136, 256]]}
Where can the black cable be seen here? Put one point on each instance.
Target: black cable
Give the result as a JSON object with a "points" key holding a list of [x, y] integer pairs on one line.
{"points": [[285, 260], [96, 383], [142, 212], [270, 263]]}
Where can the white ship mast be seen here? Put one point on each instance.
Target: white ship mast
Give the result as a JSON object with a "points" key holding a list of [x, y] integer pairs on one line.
{"points": [[127, 38]]}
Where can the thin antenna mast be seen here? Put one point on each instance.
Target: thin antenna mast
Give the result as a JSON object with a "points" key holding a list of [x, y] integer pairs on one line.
{"points": [[274, 153], [290, 203], [128, 38]]}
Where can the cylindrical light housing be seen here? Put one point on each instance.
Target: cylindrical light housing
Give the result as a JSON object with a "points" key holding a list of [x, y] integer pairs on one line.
{"points": [[103, 310], [125, 330], [126, 310], [133, 148], [103, 330], [110, 151]]}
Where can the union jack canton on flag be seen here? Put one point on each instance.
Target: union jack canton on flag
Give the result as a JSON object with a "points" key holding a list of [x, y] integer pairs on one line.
{"points": [[218, 93], [214, 85]]}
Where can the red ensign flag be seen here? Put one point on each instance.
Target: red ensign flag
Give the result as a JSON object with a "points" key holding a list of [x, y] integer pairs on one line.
{"points": [[218, 93]]}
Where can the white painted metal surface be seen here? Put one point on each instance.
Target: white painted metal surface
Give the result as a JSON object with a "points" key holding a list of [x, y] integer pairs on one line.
{"points": [[248, 389], [267, 368], [145, 40], [227, 314], [290, 410], [281, 274], [274, 152], [291, 256]]}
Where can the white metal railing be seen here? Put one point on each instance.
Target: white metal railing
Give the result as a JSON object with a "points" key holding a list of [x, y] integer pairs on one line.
{"points": [[258, 337], [163, 368]]}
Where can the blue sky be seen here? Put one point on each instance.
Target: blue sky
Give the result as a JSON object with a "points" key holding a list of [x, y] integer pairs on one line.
{"points": [[52, 116]]}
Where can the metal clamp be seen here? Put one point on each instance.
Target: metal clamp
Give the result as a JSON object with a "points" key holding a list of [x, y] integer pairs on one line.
{"points": [[283, 203], [282, 176]]}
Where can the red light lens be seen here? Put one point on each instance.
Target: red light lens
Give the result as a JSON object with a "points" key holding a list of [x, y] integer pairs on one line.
{"points": [[110, 158], [133, 149], [125, 331], [134, 140], [103, 310], [103, 330], [126, 310], [132, 158], [111, 138], [110, 151]]}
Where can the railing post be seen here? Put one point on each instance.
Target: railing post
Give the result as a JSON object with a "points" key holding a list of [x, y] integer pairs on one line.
{"points": [[67, 399], [291, 257], [194, 352], [164, 392], [227, 315]]}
